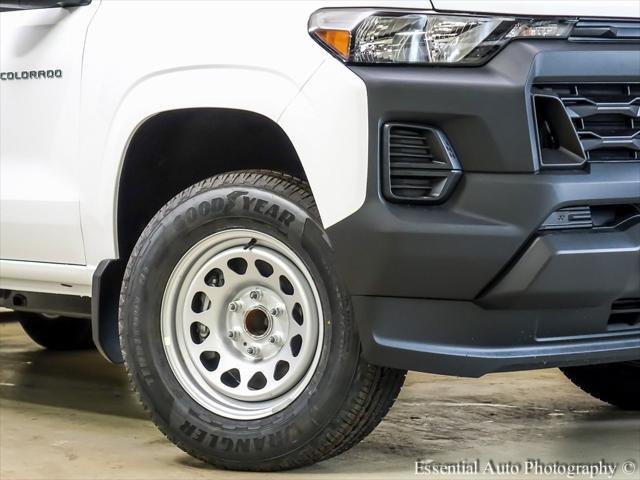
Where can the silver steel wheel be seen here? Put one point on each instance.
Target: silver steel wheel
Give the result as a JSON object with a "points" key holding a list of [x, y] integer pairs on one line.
{"points": [[242, 324]]}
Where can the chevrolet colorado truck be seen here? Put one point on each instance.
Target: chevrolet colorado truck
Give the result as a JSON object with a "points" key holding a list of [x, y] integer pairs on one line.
{"points": [[271, 210]]}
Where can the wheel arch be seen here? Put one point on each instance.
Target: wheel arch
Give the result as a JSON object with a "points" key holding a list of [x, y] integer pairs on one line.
{"points": [[177, 148], [166, 153]]}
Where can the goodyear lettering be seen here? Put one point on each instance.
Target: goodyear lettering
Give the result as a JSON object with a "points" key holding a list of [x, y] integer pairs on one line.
{"points": [[238, 199]]}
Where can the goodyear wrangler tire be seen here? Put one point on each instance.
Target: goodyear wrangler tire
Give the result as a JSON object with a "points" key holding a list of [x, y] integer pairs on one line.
{"points": [[236, 332]]}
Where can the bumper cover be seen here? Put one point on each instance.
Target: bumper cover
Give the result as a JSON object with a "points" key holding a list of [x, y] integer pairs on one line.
{"points": [[472, 286], [572, 270], [551, 308], [462, 338], [456, 250]]}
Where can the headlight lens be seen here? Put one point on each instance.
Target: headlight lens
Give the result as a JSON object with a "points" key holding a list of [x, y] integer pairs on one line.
{"points": [[369, 37]]}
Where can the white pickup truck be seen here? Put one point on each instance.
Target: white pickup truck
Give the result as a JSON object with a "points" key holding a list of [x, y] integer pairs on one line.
{"points": [[270, 210]]}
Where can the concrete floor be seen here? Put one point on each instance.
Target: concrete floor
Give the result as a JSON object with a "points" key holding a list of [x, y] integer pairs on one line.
{"points": [[71, 416]]}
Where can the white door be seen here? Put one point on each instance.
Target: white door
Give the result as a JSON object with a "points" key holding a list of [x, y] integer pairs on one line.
{"points": [[40, 79]]}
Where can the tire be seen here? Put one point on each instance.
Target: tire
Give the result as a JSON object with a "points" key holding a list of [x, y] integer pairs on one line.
{"points": [[191, 312], [57, 333], [614, 383]]}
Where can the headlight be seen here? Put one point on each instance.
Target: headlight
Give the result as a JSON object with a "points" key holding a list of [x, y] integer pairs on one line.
{"points": [[369, 36]]}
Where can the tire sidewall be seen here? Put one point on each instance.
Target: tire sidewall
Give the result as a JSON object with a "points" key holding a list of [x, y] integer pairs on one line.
{"points": [[169, 236]]}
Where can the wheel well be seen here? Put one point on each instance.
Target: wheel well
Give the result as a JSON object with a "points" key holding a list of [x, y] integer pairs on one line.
{"points": [[175, 149]]}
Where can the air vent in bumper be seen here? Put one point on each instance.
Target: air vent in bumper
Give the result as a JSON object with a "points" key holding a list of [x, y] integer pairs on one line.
{"points": [[597, 217], [625, 314], [604, 118], [419, 164], [569, 218]]}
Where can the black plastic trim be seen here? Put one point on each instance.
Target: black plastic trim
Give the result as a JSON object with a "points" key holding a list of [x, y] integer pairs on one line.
{"points": [[107, 280], [571, 270], [49, 303], [606, 30], [455, 250], [461, 338], [446, 165], [549, 110]]}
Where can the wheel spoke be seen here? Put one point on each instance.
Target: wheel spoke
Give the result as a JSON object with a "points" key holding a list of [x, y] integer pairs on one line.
{"points": [[213, 343], [227, 362], [214, 293], [233, 281], [285, 355], [189, 316], [296, 329], [289, 300]]}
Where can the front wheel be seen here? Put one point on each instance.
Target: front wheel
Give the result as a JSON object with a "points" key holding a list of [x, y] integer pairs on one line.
{"points": [[237, 334]]}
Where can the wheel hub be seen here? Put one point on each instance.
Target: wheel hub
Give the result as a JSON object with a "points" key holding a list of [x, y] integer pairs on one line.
{"points": [[257, 322], [257, 326]]}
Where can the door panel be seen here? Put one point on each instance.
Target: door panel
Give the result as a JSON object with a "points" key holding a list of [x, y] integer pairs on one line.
{"points": [[40, 80]]}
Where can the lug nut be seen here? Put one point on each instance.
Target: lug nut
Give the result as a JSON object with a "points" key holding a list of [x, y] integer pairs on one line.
{"points": [[253, 351], [234, 306], [232, 334], [274, 339], [255, 294], [275, 311]]}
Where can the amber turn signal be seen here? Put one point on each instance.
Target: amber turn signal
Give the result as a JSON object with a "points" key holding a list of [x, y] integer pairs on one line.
{"points": [[338, 40]]}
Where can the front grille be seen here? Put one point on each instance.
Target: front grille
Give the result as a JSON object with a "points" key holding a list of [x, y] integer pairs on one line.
{"points": [[606, 117], [419, 164]]}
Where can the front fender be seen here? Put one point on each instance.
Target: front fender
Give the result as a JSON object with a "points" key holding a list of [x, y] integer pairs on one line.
{"points": [[256, 90]]}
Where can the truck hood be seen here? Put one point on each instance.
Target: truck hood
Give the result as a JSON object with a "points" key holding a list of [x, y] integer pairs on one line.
{"points": [[570, 8]]}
